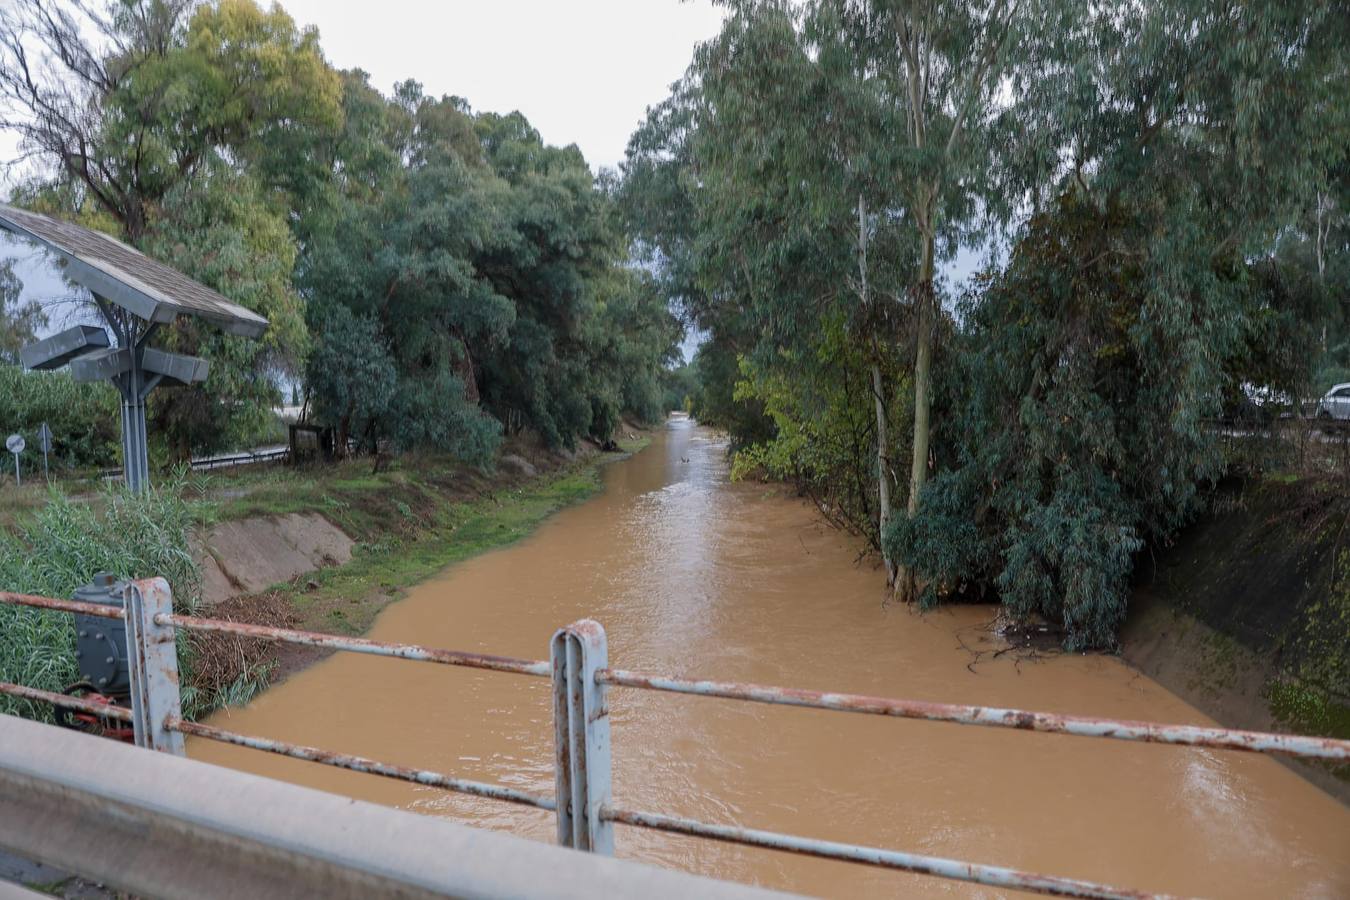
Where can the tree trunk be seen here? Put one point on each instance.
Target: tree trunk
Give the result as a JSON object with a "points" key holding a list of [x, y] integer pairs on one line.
{"points": [[879, 398], [906, 588], [883, 475], [344, 430]]}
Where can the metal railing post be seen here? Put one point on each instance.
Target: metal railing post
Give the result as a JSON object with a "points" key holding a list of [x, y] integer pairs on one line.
{"points": [[581, 736], [154, 666]]}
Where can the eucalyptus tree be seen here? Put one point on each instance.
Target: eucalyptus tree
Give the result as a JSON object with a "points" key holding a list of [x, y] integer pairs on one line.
{"points": [[943, 69], [1188, 135]]}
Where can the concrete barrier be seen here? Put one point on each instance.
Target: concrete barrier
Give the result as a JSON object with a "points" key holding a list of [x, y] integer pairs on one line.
{"points": [[157, 825]]}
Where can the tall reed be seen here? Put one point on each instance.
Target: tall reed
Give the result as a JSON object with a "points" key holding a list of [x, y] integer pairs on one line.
{"points": [[62, 545]]}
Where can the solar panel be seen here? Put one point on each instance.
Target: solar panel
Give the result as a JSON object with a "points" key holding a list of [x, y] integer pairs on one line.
{"points": [[123, 275]]}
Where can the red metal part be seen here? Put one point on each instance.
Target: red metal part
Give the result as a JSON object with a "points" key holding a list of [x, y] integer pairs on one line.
{"points": [[97, 723], [1083, 726]]}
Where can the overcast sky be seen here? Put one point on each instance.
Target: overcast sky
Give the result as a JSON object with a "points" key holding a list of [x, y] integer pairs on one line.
{"points": [[582, 71]]}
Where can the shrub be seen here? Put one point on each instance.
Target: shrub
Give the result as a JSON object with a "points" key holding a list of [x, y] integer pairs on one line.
{"points": [[84, 418]]}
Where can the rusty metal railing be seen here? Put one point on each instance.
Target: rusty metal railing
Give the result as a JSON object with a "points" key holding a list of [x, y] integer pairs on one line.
{"points": [[581, 676], [992, 716], [363, 764]]}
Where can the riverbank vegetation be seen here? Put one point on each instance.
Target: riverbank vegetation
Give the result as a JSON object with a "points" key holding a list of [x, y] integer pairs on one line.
{"points": [[980, 278], [59, 546], [410, 520], [436, 278], [1159, 205]]}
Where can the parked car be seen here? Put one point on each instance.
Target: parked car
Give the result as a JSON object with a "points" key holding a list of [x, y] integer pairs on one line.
{"points": [[1335, 403]]}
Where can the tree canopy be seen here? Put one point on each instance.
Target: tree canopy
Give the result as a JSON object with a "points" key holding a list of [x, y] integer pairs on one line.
{"points": [[476, 277]]}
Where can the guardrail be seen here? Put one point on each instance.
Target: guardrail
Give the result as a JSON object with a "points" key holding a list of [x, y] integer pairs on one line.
{"points": [[224, 461], [246, 458], [582, 678]]}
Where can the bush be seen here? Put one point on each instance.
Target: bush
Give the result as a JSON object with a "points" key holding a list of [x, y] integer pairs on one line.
{"points": [[824, 419], [1088, 376], [85, 419], [61, 547]]}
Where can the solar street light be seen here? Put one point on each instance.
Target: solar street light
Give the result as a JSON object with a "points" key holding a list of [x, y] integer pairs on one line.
{"points": [[136, 295]]}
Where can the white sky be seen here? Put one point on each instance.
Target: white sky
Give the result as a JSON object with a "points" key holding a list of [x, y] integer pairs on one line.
{"points": [[582, 71]]}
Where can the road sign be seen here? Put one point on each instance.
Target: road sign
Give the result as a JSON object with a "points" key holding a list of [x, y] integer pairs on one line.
{"points": [[14, 444]]}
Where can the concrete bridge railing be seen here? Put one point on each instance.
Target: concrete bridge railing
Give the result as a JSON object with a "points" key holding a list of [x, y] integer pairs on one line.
{"points": [[159, 825]]}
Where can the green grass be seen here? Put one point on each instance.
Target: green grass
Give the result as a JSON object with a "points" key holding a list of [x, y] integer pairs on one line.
{"points": [[59, 546], [410, 524], [346, 599], [409, 521]]}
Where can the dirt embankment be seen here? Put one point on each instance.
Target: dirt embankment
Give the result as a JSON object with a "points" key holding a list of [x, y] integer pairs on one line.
{"points": [[326, 549], [246, 556], [1247, 615]]}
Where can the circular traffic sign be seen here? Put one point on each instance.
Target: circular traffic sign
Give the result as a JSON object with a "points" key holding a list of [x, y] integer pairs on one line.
{"points": [[14, 443]]}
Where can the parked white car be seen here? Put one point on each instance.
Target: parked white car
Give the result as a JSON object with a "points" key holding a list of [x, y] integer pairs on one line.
{"points": [[1335, 404]]}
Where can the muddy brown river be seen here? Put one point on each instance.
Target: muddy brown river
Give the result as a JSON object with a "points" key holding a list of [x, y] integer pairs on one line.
{"points": [[693, 575]]}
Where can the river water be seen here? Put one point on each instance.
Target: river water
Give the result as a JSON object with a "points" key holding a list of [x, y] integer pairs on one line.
{"points": [[693, 575]]}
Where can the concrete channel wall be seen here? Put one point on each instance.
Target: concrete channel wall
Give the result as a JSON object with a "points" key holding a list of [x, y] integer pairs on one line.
{"points": [[156, 825]]}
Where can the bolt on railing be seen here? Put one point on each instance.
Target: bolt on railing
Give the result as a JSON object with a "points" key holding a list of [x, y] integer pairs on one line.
{"points": [[578, 667]]}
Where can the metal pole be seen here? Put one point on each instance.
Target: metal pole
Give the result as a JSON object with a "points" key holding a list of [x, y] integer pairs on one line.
{"points": [[153, 651], [134, 422], [18, 480], [581, 737]]}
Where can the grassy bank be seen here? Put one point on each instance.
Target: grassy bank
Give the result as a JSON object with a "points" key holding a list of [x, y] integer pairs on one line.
{"points": [[409, 521]]}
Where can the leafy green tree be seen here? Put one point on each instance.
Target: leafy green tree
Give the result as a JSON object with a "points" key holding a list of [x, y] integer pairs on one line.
{"points": [[220, 229], [129, 100], [587, 336], [350, 373], [394, 245], [1130, 303], [492, 266], [185, 128]]}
